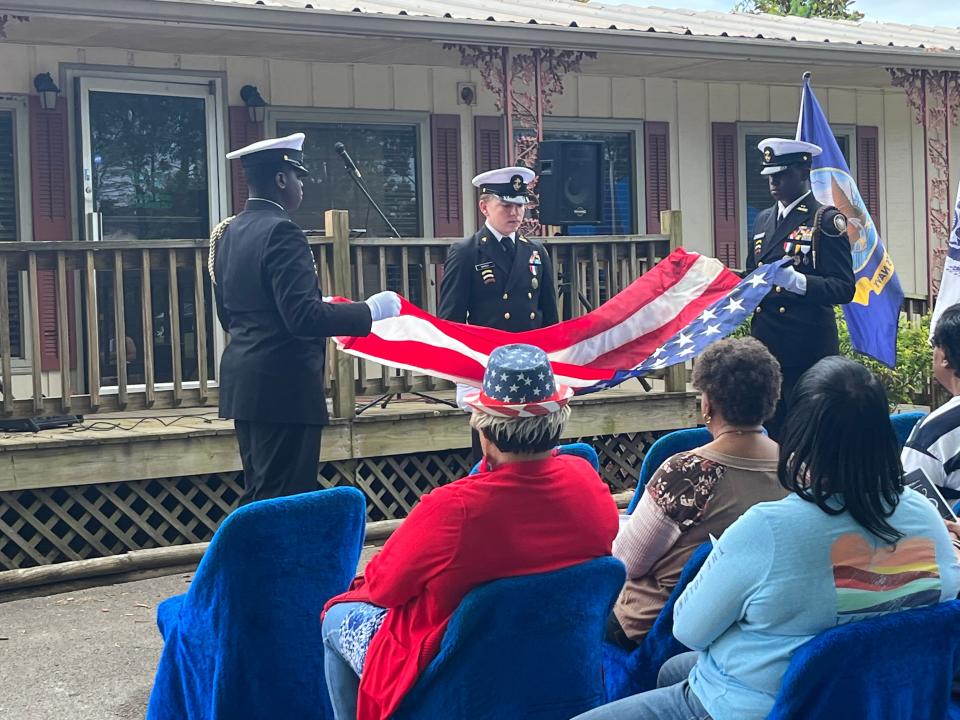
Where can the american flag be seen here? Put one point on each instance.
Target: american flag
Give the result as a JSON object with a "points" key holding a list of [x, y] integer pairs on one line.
{"points": [[666, 316]]}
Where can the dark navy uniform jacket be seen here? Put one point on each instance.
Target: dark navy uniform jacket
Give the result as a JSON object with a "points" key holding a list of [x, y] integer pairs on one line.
{"points": [[481, 286], [269, 301], [801, 329]]}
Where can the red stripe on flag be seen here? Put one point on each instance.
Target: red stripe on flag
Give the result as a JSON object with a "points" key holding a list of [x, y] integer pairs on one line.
{"points": [[624, 356]]}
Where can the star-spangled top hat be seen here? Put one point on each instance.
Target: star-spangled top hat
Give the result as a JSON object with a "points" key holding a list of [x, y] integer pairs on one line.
{"points": [[273, 151], [780, 153], [509, 183], [518, 382]]}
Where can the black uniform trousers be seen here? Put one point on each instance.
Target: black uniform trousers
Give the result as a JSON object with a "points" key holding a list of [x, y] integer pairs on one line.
{"points": [[775, 425], [278, 458]]}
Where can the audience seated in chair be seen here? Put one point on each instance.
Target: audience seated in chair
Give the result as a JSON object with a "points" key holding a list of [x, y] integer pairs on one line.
{"points": [[244, 641], [849, 543], [529, 510], [933, 447], [521, 647], [701, 492], [628, 672]]}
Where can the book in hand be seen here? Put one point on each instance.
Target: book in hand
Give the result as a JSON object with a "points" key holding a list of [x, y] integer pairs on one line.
{"points": [[918, 480]]}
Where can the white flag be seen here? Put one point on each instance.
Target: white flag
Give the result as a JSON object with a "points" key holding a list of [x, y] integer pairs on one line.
{"points": [[950, 280]]}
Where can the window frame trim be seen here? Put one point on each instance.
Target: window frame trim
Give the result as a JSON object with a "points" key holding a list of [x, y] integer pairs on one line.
{"points": [[420, 120], [19, 106], [776, 129], [628, 125]]}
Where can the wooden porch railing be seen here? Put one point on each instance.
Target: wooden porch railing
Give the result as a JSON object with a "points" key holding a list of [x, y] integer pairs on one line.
{"points": [[163, 354], [588, 270]]}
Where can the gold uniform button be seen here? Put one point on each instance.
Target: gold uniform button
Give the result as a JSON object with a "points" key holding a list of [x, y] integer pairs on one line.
{"points": [[533, 316], [506, 316], [758, 309], [529, 296], [783, 309], [778, 288], [759, 264], [506, 296]]}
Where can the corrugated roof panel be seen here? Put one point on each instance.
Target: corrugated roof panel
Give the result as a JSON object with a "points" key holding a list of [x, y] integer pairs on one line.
{"points": [[704, 23]]}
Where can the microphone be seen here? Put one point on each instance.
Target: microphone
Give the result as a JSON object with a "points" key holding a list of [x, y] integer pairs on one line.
{"points": [[348, 162]]}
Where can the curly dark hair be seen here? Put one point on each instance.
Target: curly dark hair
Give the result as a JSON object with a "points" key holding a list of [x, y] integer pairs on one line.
{"points": [[741, 378]]}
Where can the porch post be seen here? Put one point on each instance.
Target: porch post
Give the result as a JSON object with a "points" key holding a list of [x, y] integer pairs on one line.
{"points": [[336, 224], [670, 224]]}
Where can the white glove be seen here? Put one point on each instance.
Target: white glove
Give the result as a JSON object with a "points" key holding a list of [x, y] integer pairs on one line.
{"points": [[462, 391], [384, 305], [789, 279]]}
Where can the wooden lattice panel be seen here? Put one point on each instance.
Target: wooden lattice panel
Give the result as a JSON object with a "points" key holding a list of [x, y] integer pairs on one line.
{"points": [[45, 526]]}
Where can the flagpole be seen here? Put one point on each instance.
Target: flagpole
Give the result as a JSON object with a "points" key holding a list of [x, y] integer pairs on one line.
{"points": [[803, 96]]}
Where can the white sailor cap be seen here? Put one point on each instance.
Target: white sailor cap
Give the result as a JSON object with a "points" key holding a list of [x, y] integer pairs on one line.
{"points": [[779, 154], [287, 149], [509, 183]]}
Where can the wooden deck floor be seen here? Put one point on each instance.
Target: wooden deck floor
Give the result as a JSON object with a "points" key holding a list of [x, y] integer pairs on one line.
{"points": [[174, 442]]}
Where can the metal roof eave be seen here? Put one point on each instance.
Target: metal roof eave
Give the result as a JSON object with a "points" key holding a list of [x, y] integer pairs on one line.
{"points": [[310, 21]]}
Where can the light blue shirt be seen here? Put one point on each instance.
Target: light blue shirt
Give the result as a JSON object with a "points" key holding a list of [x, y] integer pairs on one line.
{"points": [[783, 573]]}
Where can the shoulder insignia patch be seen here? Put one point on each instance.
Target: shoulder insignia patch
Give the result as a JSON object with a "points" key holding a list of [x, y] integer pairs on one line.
{"points": [[840, 223]]}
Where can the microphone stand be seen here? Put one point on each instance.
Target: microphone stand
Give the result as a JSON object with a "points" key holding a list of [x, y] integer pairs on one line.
{"points": [[363, 188], [385, 399]]}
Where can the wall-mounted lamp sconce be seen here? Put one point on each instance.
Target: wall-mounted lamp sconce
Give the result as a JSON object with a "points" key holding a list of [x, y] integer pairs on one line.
{"points": [[256, 105], [466, 93], [48, 91]]}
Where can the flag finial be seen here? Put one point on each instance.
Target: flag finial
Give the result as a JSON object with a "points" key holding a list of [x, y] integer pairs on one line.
{"points": [[807, 75]]}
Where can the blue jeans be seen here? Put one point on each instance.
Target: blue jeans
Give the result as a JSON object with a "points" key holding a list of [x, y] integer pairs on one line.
{"points": [[672, 700], [343, 683]]}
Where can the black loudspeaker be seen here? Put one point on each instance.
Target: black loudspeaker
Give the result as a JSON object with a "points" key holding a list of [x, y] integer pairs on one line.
{"points": [[570, 182]]}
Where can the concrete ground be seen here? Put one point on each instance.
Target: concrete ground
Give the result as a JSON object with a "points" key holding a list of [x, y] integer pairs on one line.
{"points": [[89, 654], [85, 655]]}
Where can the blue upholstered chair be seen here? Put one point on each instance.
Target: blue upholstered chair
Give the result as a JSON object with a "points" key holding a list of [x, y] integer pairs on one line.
{"points": [[665, 447], [522, 647], [579, 449], [903, 424], [894, 667], [628, 673], [244, 641]]}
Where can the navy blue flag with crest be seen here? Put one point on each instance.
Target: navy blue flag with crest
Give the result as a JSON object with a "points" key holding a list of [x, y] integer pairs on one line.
{"points": [[873, 314]]}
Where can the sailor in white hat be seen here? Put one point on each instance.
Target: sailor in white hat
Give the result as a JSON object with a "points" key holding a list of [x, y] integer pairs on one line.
{"points": [[796, 320], [497, 277], [269, 300]]}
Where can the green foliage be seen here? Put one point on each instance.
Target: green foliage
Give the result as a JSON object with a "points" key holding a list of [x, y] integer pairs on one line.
{"points": [[910, 380], [830, 9]]}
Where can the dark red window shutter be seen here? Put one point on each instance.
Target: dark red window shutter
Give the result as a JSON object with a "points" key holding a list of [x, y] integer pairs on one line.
{"points": [[242, 133], [488, 143], [447, 191], [50, 174], [49, 330], [868, 169], [726, 223], [656, 143], [50, 185]]}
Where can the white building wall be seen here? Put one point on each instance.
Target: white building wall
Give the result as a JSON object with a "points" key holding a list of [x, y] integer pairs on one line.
{"points": [[690, 107]]}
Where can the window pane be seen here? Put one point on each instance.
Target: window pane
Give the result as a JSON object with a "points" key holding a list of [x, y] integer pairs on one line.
{"points": [[150, 175], [8, 224], [617, 182], [8, 180], [386, 156], [758, 188]]}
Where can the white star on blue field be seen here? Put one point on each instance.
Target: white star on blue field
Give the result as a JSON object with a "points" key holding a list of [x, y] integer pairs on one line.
{"points": [[715, 323]]}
